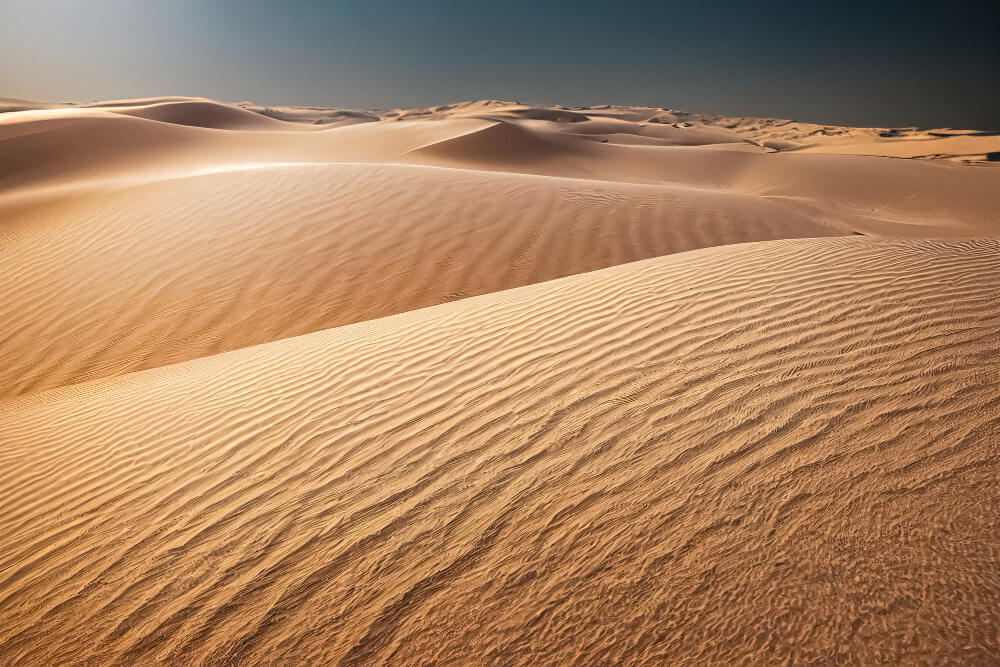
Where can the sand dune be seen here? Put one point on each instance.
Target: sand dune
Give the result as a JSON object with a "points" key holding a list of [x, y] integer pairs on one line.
{"points": [[606, 146], [196, 252], [488, 382], [758, 452], [655, 125], [203, 114], [184, 267], [196, 241], [907, 142], [314, 115]]}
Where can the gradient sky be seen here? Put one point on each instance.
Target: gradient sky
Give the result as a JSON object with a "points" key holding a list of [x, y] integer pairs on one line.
{"points": [[854, 63]]}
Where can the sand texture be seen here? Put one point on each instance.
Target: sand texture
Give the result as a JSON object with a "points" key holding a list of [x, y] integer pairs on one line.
{"points": [[489, 383]]}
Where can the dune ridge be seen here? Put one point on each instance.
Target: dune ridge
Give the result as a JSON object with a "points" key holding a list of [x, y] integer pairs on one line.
{"points": [[166, 283], [654, 124], [703, 458], [184, 215]]}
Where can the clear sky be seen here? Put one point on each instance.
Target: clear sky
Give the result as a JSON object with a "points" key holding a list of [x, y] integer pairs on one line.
{"points": [[859, 63]]}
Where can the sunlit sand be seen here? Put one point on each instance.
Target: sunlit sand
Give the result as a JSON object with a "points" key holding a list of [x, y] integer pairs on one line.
{"points": [[495, 383]]}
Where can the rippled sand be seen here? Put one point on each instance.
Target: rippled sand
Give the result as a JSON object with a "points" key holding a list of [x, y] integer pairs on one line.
{"points": [[489, 383]]}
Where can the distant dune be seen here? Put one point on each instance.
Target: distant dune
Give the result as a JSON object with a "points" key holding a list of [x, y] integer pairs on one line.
{"points": [[495, 383]]}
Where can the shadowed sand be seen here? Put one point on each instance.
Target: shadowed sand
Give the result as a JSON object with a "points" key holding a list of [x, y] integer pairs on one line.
{"points": [[299, 386]]}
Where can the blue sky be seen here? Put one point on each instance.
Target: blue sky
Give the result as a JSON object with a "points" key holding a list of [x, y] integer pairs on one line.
{"points": [[888, 63]]}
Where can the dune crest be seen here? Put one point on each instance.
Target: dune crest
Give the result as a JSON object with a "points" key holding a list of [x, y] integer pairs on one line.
{"points": [[201, 226], [327, 244], [695, 458]]}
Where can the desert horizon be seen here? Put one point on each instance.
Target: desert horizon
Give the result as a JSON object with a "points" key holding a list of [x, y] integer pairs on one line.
{"points": [[499, 381]]}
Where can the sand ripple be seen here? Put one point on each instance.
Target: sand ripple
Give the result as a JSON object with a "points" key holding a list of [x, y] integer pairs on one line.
{"points": [[756, 453]]}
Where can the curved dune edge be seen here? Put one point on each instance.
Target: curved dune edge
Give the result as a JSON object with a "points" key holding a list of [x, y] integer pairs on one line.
{"points": [[189, 267], [204, 113], [771, 451], [616, 124], [129, 243]]}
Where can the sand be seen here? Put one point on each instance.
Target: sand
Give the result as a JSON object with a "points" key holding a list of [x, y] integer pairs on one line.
{"points": [[494, 383]]}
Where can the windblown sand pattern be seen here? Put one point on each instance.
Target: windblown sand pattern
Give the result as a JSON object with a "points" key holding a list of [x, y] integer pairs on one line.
{"points": [[268, 398], [256, 255]]}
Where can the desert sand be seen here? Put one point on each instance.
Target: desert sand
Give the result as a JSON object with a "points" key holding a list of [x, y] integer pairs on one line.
{"points": [[495, 383]]}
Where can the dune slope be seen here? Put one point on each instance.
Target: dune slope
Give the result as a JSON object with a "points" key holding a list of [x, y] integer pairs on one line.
{"points": [[762, 452], [138, 233], [179, 268]]}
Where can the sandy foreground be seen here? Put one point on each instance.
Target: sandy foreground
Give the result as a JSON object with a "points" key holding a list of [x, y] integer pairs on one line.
{"points": [[490, 383]]}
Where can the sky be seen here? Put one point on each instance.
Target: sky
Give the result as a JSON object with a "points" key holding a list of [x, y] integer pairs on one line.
{"points": [[851, 63]]}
